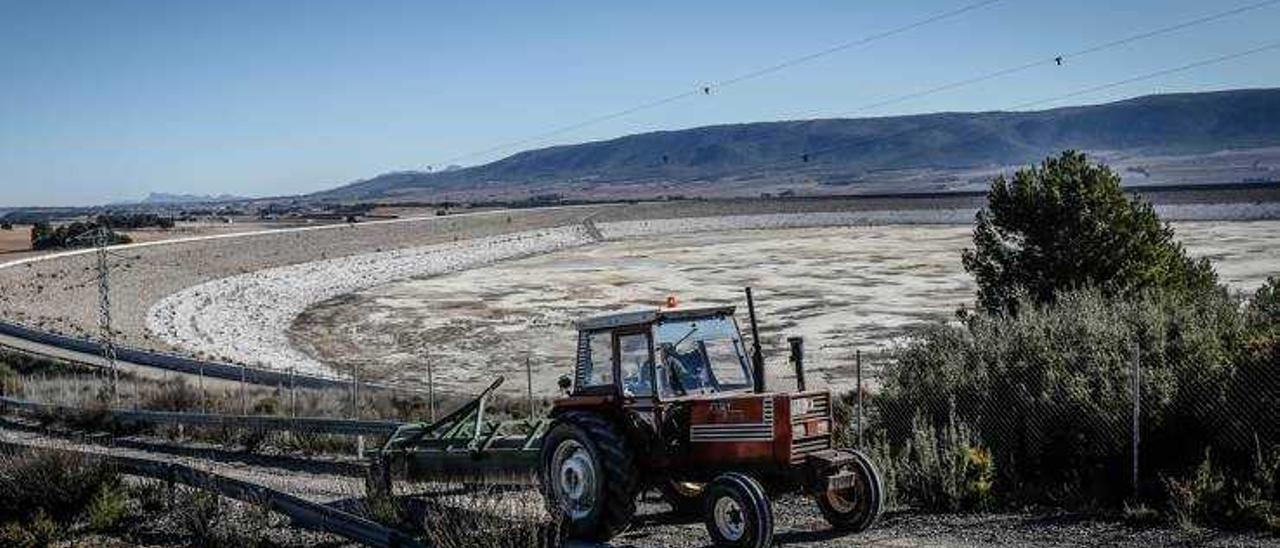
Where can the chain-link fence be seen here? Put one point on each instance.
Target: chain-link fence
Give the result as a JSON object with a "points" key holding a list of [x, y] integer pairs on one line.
{"points": [[958, 421]]}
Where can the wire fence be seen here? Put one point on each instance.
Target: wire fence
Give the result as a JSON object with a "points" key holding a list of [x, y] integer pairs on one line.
{"points": [[1108, 424]]}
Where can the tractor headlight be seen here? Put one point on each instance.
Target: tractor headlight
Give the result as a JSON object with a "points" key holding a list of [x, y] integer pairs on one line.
{"points": [[820, 428], [801, 406]]}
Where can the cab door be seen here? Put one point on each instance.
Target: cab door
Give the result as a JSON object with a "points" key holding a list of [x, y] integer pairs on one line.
{"points": [[633, 351]]}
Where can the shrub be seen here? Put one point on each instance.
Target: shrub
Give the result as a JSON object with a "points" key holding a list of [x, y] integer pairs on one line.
{"points": [[198, 513], [172, 395], [41, 531], [944, 469], [77, 234], [1068, 225], [152, 496], [10, 383], [55, 483], [1049, 391], [107, 508], [1217, 497]]}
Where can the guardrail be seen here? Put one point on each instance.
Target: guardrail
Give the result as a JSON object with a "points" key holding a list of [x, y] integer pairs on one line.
{"points": [[306, 514], [323, 425], [184, 364]]}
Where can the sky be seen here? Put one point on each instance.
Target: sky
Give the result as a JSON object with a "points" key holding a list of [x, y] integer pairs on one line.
{"points": [[103, 101]]}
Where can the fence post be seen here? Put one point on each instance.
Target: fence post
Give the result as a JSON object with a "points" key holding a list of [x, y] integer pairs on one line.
{"points": [[293, 395], [528, 374], [244, 396], [355, 392], [204, 398], [1137, 413], [857, 366], [431, 392]]}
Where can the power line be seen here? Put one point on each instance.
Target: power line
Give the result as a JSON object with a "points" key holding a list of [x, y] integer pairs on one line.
{"points": [[1057, 59], [806, 156], [706, 89]]}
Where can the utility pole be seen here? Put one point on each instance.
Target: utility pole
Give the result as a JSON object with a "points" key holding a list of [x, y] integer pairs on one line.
{"points": [[102, 238]]}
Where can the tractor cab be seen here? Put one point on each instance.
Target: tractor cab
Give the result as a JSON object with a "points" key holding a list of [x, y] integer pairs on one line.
{"points": [[665, 354]]}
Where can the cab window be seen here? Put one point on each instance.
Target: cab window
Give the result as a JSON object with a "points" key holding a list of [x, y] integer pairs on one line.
{"points": [[700, 356], [597, 364], [633, 351]]}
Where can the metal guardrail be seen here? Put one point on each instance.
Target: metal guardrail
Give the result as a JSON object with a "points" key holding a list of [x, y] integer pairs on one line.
{"points": [[324, 425], [183, 364], [306, 514]]}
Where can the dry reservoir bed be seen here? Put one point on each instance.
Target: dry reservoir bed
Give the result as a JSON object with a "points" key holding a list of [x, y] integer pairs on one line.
{"points": [[843, 288]]}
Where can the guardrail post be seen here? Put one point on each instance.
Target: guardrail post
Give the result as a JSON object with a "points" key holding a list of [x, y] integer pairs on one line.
{"points": [[244, 397], [857, 366], [528, 374], [1137, 413], [431, 392], [204, 398], [293, 395]]}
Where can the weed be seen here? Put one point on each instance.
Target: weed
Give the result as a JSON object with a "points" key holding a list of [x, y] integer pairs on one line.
{"points": [[60, 485], [198, 513], [41, 531], [107, 508]]}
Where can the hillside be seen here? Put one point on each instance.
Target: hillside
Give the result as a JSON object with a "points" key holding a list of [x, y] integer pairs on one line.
{"points": [[842, 152]]}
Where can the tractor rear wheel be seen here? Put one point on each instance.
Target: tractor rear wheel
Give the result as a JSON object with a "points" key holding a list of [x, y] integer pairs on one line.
{"points": [[684, 497], [738, 512], [857, 507], [588, 476]]}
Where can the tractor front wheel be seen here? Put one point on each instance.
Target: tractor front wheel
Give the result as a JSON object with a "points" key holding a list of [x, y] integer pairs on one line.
{"points": [[856, 507], [738, 512], [588, 476]]}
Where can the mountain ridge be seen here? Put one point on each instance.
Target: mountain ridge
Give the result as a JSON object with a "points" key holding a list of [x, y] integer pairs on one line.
{"points": [[854, 150]]}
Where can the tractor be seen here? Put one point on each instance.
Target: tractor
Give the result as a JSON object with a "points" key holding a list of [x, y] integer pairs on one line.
{"points": [[671, 399], [665, 398]]}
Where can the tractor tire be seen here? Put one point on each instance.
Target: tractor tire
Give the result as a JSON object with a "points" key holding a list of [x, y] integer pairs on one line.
{"points": [[684, 497], [857, 508], [737, 512], [588, 476]]}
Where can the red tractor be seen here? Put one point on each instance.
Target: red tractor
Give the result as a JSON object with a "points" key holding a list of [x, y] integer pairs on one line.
{"points": [[670, 398]]}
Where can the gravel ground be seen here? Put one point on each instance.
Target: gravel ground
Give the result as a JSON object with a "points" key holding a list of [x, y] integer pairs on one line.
{"points": [[798, 523]]}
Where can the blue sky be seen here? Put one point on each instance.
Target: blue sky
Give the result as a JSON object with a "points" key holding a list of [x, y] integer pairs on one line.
{"points": [[102, 101]]}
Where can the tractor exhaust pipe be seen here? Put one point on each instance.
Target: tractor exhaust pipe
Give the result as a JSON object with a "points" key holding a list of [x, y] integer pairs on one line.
{"points": [[757, 358], [797, 359]]}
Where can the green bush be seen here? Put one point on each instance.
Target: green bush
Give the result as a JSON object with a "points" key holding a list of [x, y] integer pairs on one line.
{"points": [[1068, 224], [1049, 391], [198, 513], [107, 508], [1214, 496], [944, 469], [10, 383], [77, 234], [172, 395], [41, 531], [60, 485]]}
